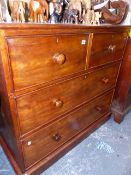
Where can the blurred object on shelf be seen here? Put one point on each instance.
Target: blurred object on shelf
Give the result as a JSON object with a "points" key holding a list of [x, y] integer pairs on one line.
{"points": [[93, 21], [98, 15], [88, 12], [76, 5], [98, 6], [121, 9], [71, 16], [17, 11], [87, 17], [39, 11], [4, 13], [1, 13], [55, 11], [86, 5], [92, 17]]}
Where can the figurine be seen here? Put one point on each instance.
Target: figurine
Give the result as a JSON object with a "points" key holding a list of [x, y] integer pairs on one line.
{"points": [[76, 5], [121, 8], [21, 12], [71, 16], [87, 17], [38, 9], [98, 15], [1, 13], [81, 5], [86, 5], [4, 9], [93, 20], [55, 10], [17, 10], [26, 7]]}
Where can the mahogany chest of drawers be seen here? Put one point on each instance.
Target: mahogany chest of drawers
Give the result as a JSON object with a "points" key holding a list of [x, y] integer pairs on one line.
{"points": [[56, 86]]}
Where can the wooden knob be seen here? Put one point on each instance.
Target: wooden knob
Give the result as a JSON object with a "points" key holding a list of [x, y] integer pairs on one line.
{"points": [[105, 80], [59, 58], [56, 137], [58, 103], [111, 48]]}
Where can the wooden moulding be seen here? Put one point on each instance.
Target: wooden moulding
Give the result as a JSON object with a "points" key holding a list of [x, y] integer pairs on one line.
{"points": [[48, 161]]}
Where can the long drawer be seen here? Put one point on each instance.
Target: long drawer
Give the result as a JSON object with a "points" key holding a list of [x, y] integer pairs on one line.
{"points": [[106, 47], [36, 60], [46, 140], [40, 107]]}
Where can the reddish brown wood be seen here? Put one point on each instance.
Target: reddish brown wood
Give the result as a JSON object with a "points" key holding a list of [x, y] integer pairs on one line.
{"points": [[106, 47], [10, 156], [9, 129], [121, 8], [123, 88], [39, 58], [56, 85], [48, 161], [36, 146], [38, 112]]}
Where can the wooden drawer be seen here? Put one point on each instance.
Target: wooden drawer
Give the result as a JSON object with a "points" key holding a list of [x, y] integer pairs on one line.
{"points": [[40, 107], [106, 47], [36, 60], [46, 140]]}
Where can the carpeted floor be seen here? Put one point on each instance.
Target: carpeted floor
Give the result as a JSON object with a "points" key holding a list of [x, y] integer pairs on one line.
{"points": [[107, 151]]}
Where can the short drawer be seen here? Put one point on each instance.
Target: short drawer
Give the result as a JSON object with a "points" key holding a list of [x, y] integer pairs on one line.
{"points": [[45, 141], [36, 60], [43, 106], [106, 47]]}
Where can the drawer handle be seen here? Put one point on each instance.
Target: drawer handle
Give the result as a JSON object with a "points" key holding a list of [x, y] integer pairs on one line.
{"points": [[58, 103], [98, 108], [56, 137], [105, 80], [59, 58], [111, 48], [29, 143]]}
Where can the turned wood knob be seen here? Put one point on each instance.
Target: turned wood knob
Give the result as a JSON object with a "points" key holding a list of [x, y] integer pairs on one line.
{"points": [[105, 80], [57, 103], [56, 137], [59, 58], [111, 48]]}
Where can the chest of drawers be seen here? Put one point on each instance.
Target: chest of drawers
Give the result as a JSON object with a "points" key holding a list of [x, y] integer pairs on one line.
{"points": [[56, 86]]}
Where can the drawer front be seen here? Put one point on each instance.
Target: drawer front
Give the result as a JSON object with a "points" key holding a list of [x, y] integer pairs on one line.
{"points": [[38, 60], [46, 140], [39, 108], [106, 48]]}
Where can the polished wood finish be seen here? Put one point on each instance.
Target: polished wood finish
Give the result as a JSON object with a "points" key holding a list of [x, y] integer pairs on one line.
{"points": [[122, 99], [52, 102], [39, 145], [56, 55], [57, 85], [106, 47]]}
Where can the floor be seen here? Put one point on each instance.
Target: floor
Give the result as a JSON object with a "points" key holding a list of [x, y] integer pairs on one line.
{"points": [[107, 151]]}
